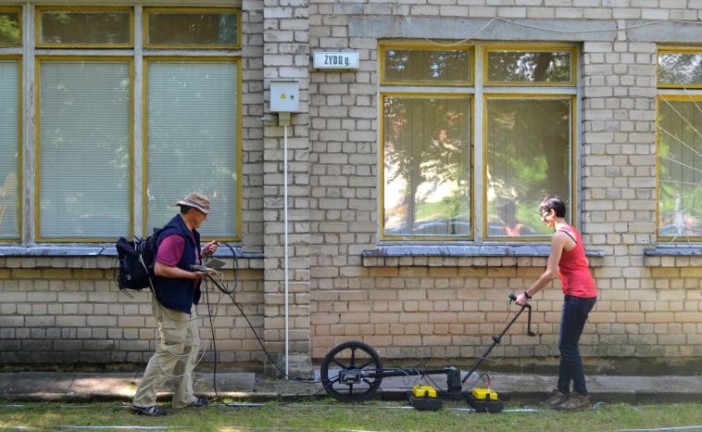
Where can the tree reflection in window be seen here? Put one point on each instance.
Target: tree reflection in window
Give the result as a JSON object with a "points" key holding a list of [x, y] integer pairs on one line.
{"points": [[528, 156], [9, 28], [680, 68], [679, 162], [409, 65], [426, 152], [529, 66]]}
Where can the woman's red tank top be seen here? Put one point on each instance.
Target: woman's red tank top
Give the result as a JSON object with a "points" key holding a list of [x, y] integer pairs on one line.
{"points": [[573, 269]]}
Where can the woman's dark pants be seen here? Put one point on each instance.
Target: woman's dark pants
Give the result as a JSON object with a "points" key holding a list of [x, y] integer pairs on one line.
{"points": [[573, 317]]}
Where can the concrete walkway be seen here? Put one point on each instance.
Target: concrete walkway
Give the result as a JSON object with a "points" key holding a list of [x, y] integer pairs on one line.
{"points": [[248, 387]]}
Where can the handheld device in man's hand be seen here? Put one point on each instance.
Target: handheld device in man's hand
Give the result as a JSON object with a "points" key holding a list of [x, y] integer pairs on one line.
{"points": [[201, 268], [215, 264]]}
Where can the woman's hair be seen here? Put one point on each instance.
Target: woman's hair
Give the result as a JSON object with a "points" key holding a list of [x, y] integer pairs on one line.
{"points": [[553, 202]]}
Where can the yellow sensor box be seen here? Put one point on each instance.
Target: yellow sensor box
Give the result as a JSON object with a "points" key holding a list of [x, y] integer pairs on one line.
{"points": [[484, 393], [423, 391]]}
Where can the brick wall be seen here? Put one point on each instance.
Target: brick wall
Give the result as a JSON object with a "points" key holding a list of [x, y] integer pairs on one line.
{"points": [[68, 310]]}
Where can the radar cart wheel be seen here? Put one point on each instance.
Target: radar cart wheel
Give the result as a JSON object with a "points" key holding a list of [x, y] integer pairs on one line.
{"points": [[351, 372]]}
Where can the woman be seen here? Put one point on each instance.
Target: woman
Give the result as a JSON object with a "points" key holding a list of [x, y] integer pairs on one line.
{"points": [[567, 258]]}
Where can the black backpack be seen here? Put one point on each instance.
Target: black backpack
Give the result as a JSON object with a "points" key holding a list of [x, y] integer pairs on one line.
{"points": [[136, 262]]}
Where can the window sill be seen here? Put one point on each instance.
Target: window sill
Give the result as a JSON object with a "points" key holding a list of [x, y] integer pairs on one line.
{"points": [[464, 256], [79, 256], [673, 256]]}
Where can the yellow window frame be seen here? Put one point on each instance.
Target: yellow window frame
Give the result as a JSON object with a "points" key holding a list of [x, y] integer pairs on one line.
{"points": [[677, 50], [419, 46], [18, 11], [82, 9], [532, 48], [571, 210], [37, 145], [669, 97], [151, 10], [145, 146], [20, 177], [469, 100]]}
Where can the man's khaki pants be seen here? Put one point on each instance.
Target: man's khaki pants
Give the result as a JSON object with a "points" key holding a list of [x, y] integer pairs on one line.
{"points": [[175, 357]]}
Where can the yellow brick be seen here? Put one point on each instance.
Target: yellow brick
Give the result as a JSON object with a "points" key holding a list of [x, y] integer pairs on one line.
{"points": [[691, 272], [26, 274], [443, 272], [57, 273], [384, 272], [665, 272]]}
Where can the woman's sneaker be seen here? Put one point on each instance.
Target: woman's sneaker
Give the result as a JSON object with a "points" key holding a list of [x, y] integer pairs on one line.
{"points": [[556, 398], [575, 401], [152, 411]]}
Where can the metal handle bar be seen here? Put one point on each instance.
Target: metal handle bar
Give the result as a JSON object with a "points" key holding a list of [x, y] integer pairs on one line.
{"points": [[498, 339]]}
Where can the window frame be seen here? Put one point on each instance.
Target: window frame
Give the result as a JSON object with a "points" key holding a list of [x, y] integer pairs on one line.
{"points": [[661, 97], [149, 10], [383, 46], [478, 91], [18, 11], [82, 9], [532, 48], [571, 212], [29, 210], [677, 50], [446, 95], [37, 145], [237, 60], [20, 153], [672, 92]]}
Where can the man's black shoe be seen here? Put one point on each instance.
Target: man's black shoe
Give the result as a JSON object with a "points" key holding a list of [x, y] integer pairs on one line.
{"points": [[152, 411], [199, 403]]}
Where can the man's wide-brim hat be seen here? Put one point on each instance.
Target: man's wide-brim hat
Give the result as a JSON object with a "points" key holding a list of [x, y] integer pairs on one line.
{"points": [[195, 200]]}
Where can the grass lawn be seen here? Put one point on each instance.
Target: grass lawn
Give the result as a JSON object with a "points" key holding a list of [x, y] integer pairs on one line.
{"points": [[328, 415]]}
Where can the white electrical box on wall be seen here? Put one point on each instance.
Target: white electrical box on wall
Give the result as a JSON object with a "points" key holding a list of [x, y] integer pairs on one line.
{"points": [[285, 96]]}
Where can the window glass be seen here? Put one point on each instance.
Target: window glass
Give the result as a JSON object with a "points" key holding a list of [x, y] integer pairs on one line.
{"points": [[182, 28], [84, 141], [680, 69], [509, 66], [528, 156], [10, 29], [9, 150], [426, 66], [426, 142], [87, 28], [192, 140], [679, 162]]}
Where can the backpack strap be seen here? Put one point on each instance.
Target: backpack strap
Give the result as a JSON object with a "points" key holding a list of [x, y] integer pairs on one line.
{"points": [[151, 284]]}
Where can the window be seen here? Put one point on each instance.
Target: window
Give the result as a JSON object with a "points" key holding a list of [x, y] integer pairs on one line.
{"points": [[679, 144], [83, 149], [525, 103], [527, 156], [191, 137], [540, 67], [186, 27], [10, 28], [10, 156], [69, 27], [426, 152], [120, 131]]}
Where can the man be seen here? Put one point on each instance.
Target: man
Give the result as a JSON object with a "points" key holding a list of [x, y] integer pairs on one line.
{"points": [[176, 290]]}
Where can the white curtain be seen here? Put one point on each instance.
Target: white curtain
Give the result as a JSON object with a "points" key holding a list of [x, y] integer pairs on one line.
{"points": [[9, 148], [192, 140], [84, 137]]}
